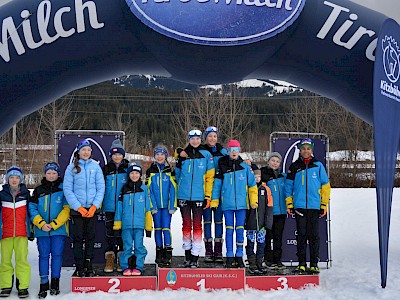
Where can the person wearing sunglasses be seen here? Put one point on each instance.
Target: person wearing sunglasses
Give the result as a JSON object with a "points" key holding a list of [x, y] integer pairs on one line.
{"points": [[307, 192], [195, 178], [235, 190], [213, 254], [84, 189]]}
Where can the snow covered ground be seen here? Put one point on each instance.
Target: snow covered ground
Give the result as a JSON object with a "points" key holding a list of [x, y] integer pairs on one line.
{"points": [[355, 273]]}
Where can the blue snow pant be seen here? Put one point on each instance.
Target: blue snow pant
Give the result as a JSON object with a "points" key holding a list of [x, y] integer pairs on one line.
{"points": [[162, 226], [254, 236], [54, 245], [133, 238], [230, 217], [218, 223]]}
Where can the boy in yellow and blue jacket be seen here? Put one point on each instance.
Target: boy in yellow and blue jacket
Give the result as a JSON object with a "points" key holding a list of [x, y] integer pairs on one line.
{"points": [[307, 191], [49, 213]]}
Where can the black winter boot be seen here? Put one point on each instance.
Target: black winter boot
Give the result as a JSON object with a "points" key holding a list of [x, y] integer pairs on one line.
{"points": [[167, 260], [218, 258], [44, 287], [230, 263], [5, 292], [188, 258], [89, 268], [159, 255], [55, 286], [209, 257], [194, 263], [239, 262], [252, 264], [259, 263]]}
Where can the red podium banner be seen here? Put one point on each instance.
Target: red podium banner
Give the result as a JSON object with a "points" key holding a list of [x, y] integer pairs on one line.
{"points": [[201, 279], [112, 284], [281, 282]]}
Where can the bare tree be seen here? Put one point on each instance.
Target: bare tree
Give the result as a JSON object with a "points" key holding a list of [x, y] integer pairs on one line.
{"points": [[57, 116], [226, 109]]}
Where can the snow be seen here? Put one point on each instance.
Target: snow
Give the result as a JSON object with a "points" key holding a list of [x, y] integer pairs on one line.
{"points": [[354, 275]]}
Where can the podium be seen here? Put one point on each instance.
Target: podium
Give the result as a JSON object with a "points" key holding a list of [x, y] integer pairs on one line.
{"points": [[207, 277]]}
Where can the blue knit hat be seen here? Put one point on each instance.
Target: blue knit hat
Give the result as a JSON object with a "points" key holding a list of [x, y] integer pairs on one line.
{"points": [[209, 130], [52, 166], [116, 147], [135, 166], [83, 143], [14, 171], [160, 149]]}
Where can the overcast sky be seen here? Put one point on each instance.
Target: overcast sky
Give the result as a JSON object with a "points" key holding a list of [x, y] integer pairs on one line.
{"points": [[390, 8]]}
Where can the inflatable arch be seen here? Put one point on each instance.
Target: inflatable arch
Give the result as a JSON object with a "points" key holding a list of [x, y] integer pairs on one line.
{"points": [[49, 48]]}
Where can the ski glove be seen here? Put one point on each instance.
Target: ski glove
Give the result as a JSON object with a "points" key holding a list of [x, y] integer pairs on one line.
{"points": [[83, 211], [148, 234], [206, 203], [172, 211], [91, 211]]}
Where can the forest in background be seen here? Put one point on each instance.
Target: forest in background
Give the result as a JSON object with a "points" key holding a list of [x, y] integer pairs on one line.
{"points": [[150, 116]]}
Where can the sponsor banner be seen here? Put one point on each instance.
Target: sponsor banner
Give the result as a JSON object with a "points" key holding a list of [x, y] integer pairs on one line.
{"points": [[201, 279], [101, 143], [217, 22], [386, 129], [288, 148], [113, 285], [266, 283]]}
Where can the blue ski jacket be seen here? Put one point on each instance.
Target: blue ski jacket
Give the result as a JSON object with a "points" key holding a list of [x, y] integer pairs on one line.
{"points": [[276, 183], [85, 188], [195, 174], [307, 186], [49, 206], [115, 178], [234, 184]]}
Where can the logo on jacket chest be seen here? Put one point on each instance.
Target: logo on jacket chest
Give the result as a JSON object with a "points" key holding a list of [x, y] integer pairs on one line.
{"points": [[241, 177], [201, 165], [165, 178], [58, 200], [314, 175], [141, 199]]}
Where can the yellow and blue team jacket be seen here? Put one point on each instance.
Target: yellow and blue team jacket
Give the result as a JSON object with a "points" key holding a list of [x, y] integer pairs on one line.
{"points": [[115, 178], [195, 174], [307, 186], [162, 186], [234, 184], [49, 206], [217, 153], [133, 208], [276, 182]]}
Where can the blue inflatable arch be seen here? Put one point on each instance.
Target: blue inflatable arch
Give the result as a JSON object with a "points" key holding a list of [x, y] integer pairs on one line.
{"points": [[49, 48]]}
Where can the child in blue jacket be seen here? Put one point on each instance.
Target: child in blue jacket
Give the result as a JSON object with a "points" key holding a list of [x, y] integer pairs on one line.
{"points": [[275, 180], [213, 254], [161, 183], [195, 177], [307, 191], [49, 212], [133, 216], [84, 190], [115, 177], [234, 187]]}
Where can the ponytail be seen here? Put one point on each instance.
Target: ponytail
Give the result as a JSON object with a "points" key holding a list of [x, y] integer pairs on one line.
{"points": [[76, 162]]}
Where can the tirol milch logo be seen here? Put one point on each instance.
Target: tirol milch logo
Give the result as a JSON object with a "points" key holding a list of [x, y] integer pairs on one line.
{"points": [[217, 22], [391, 65]]}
